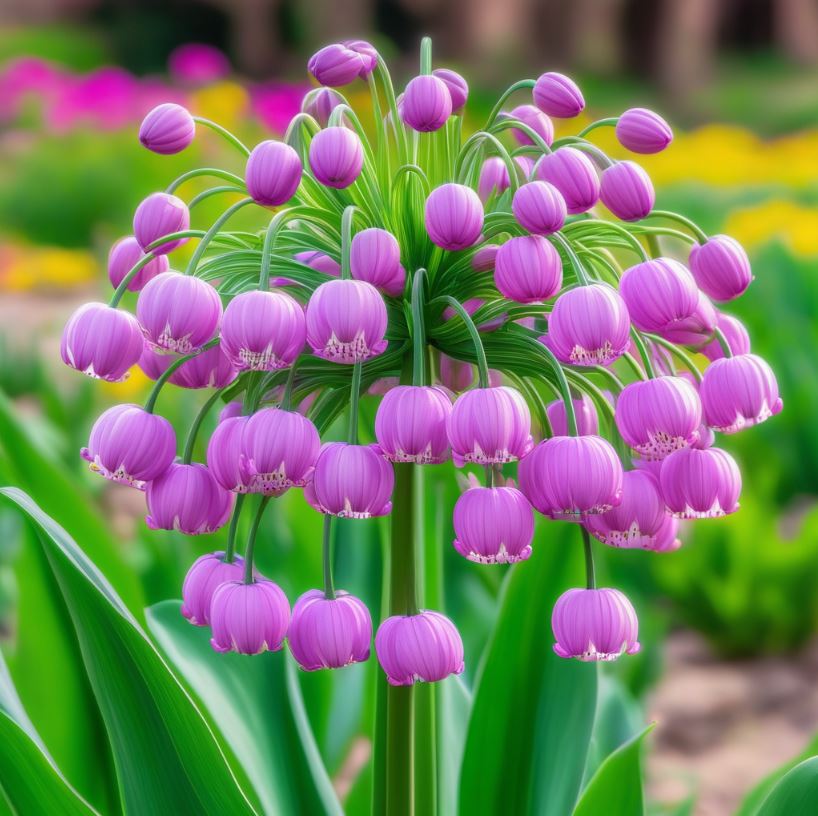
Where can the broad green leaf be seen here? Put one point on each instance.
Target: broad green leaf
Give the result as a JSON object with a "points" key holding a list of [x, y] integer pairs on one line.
{"points": [[616, 788], [256, 703], [795, 794], [166, 756], [533, 712], [452, 717]]}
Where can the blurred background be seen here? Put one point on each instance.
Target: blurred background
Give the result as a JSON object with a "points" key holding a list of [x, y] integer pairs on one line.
{"points": [[730, 620]]}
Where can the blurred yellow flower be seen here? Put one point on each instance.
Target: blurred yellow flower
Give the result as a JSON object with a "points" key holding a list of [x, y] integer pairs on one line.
{"points": [[25, 267], [130, 389], [794, 225], [223, 102]]}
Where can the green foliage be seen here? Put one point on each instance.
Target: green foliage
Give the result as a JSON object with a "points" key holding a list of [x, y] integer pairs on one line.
{"points": [[796, 793]]}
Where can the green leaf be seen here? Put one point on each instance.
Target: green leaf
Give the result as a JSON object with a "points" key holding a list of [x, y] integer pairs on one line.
{"points": [[616, 788], [796, 793], [533, 712], [256, 703], [167, 758]]}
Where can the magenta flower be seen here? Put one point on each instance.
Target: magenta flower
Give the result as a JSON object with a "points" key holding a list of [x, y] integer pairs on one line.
{"points": [[160, 214], [455, 375], [336, 65], [273, 173], [494, 175], [336, 157], [208, 369], [226, 459], [721, 267], [123, 257], [558, 95], [427, 104], [329, 633], [167, 129], [456, 85], [696, 329], [659, 293], [320, 262], [101, 341], [584, 411], [249, 618], [454, 216], [485, 258], [130, 446], [198, 64], [424, 648], [666, 538], [179, 312], [320, 103], [207, 573], [627, 191], [738, 392], [368, 54], [642, 131], [700, 483], [536, 120], [528, 269], [574, 175], [734, 332], [539, 207], [410, 424], [374, 256], [594, 624]]}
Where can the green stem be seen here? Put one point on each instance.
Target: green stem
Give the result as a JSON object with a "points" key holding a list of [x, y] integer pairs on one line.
{"points": [[695, 229], [216, 172], [611, 121], [205, 194], [643, 353], [479, 351], [725, 346], [579, 268], [326, 555], [150, 402], [287, 398], [131, 274], [230, 550], [212, 232], [197, 423], [251, 539], [426, 55], [565, 390], [354, 395], [226, 134], [346, 240], [590, 577], [678, 353], [418, 330], [510, 91]]}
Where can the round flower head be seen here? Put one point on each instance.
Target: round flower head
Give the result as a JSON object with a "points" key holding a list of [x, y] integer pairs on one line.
{"points": [[627, 191], [249, 618], [659, 293], [454, 216], [738, 392], [187, 498], [489, 426], [263, 331], [456, 85], [336, 65], [584, 411], [101, 341], [700, 483], [208, 369], [419, 648], [536, 120], [589, 325], [594, 624], [410, 424], [734, 332], [696, 329], [123, 257], [666, 538], [179, 312], [167, 129], [659, 416], [351, 481], [638, 518], [230, 410], [571, 477], [226, 459], [528, 269], [427, 103], [346, 321], [642, 131], [368, 54], [158, 215], [558, 95], [329, 633], [204, 577], [721, 267], [374, 256], [336, 157], [130, 446], [539, 207], [273, 173], [574, 175], [485, 258], [494, 175], [493, 525], [320, 262], [280, 450], [320, 103]]}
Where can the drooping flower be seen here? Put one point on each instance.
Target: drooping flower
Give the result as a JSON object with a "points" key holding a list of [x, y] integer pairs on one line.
{"points": [[558, 95], [627, 191], [696, 329], [536, 120], [167, 129], [368, 53], [374, 256], [700, 483], [584, 411], [642, 131], [337, 65], [528, 269], [485, 258], [158, 215], [457, 86], [249, 618], [453, 216], [273, 173], [320, 262], [320, 103], [123, 257], [574, 175], [721, 267], [207, 573], [226, 458], [539, 207], [427, 103], [410, 424], [659, 293], [494, 178], [666, 539], [336, 157], [735, 333], [210, 368]]}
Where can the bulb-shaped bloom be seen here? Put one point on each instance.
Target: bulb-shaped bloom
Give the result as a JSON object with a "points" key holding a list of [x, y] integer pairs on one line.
{"points": [[738, 392], [721, 267], [558, 95], [494, 178], [130, 446], [336, 65], [226, 459], [535, 119], [667, 536], [454, 216], [584, 411], [489, 426], [179, 312], [539, 207], [594, 624], [249, 618], [263, 331], [427, 103], [736, 335], [346, 321], [574, 175], [528, 269], [700, 483], [589, 325], [123, 257], [457, 86], [374, 256], [336, 157], [368, 54], [627, 191], [168, 128], [571, 477], [101, 341], [329, 633], [158, 215], [485, 259], [207, 573], [642, 131], [659, 293], [410, 424], [351, 481], [208, 369], [273, 173], [421, 648], [320, 103], [696, 329], [658, 416], [320, 262], [187, 498]]}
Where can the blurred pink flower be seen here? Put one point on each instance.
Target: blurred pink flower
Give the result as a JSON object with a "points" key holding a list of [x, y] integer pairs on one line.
{"points": [[275, 104], [198, 64]]}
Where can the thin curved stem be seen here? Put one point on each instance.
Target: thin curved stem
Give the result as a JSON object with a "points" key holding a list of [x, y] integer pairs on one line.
{"points": [[520, 85], [643, 353], [211, 233], [251, 539], [346, 240], [216, 172], [224, 133], [590, 576], [230, 550], [326, 557], [190, 442], [479, 351], [418, 330], [565, 391], [678, 353], [354, 396], [699, 234], [205, 194], [129, 276], [582, 275], [725, 345], [612, 120], [150, 402]]}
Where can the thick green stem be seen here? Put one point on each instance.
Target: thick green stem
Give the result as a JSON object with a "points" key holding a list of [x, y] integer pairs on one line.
{"points": [[426, 55], [326, 557], [590, 577], [418, 330], [230, 550], [354, 396], [523, 84], [251, 539], [698, 233], [346, 240]]}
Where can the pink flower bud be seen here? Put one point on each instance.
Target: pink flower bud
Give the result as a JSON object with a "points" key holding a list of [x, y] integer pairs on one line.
{"points": [[627, 191], [721, 267], [558, 95], [539, 207], [320, 103], [336, 65], [454, 216], [700, 483], [528, 269], [205, 576], [273, 173], [336, 157], [536, 120], [249, 618], [123, 257], [574, 175], [642, 131], [167, 129], [160, 214], [696, 329], [734, 332], [410, 424], [659, 293], [226, 459], [374, 256], [320, 262], [584, 411], [427, 104], [456, 85]]}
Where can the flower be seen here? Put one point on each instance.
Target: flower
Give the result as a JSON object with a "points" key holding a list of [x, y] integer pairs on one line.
{"points": [[249, 618], [456, 85], [584, 411], [738, 392], [734, 332], [374, 256], [666, 539], [558, 95], [158, 215], [696, 329], [453, 216], [336, 65], [101, 341], [700, 483], [226, 458], [494, 175], [721, 267], [320, 262], [659, 293], [273, 173], [642, 131], [485, 258], [574, 175], [369, 55], [594, 624], [320, 103], [410, 424], [425, 648], [627, 191], [336, 157], [539, 207], [207, 573], [210, 368], [528, 269], [167, 129], [427, 103], [198, 64], [536, 120], [123, 257], [329, 633]]}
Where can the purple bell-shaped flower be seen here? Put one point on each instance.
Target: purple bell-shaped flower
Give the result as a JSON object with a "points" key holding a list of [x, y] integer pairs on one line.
{"points": [[160, 214], [123, 257], [168, 128], [207, 573], [249, 618], [410, 424], [453, 216], [700, 483]]}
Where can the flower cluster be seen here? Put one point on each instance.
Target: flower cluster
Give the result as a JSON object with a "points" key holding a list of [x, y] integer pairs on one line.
{"points": [[540, 258]]}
